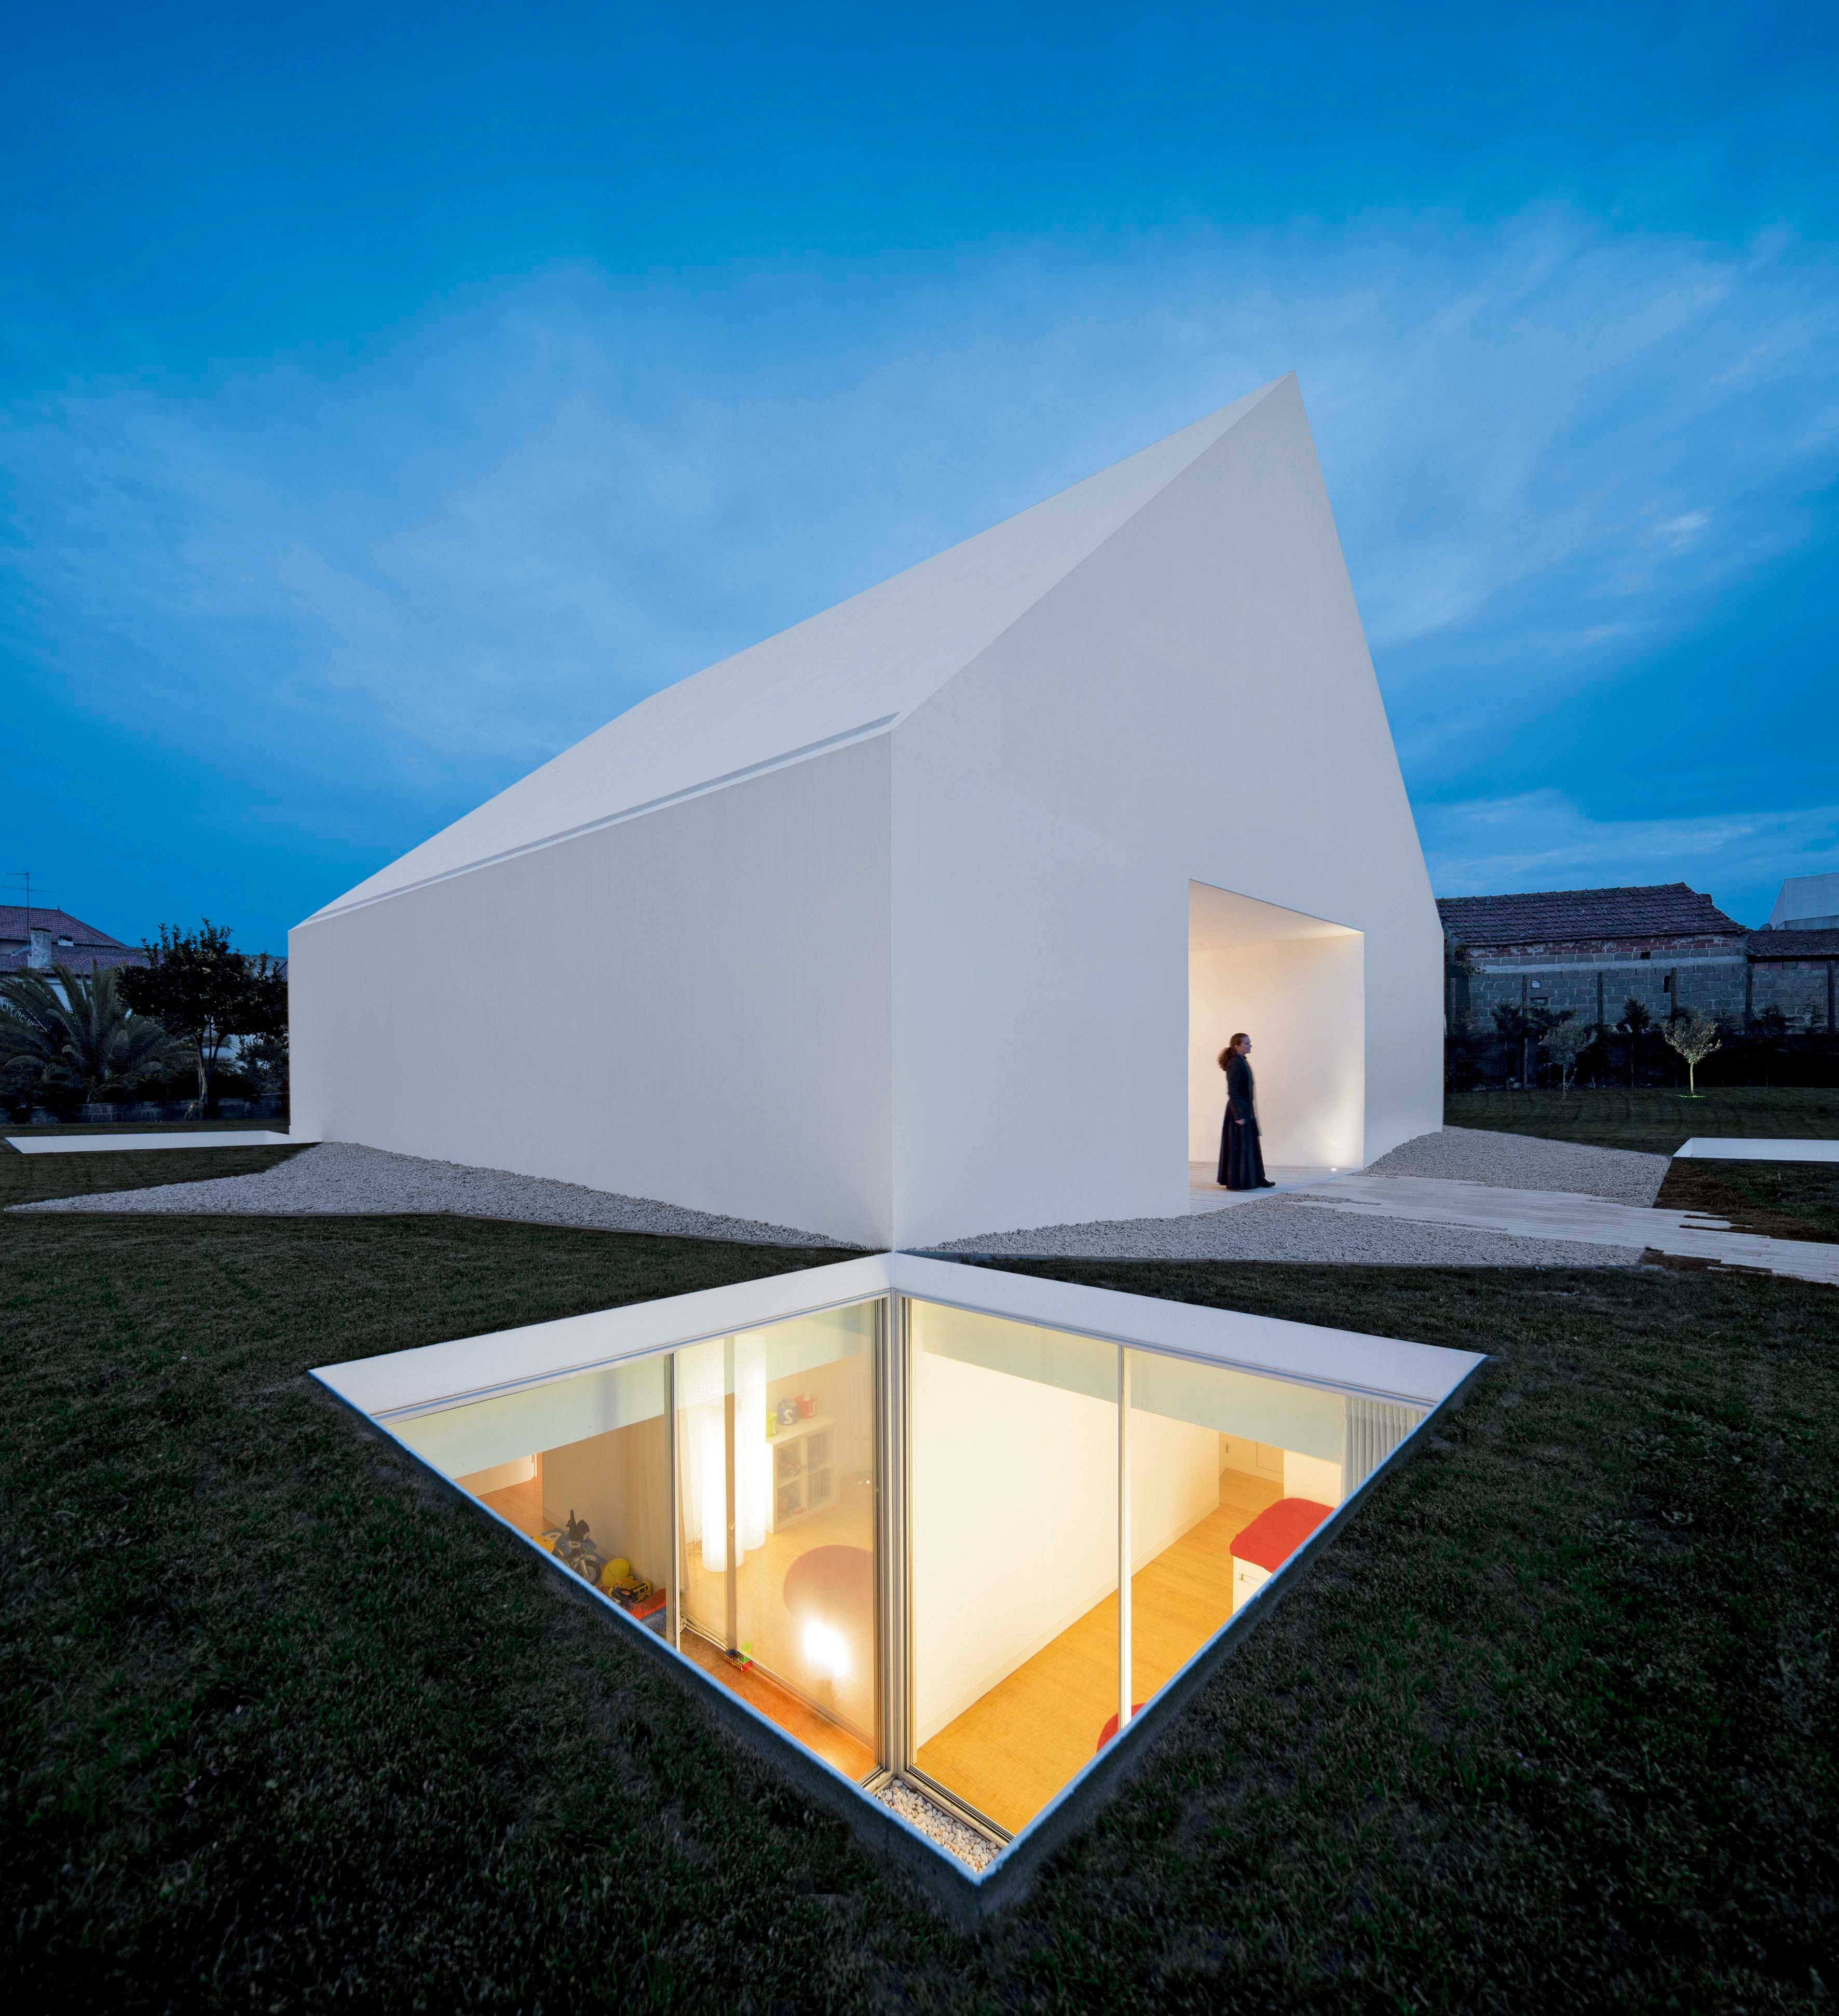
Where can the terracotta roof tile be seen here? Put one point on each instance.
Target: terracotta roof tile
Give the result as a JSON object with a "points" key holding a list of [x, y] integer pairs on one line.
{"points": [[1664, 910]]}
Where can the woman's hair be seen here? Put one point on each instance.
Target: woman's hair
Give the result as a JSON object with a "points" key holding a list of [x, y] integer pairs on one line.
{"points": [[1226, 1054]]}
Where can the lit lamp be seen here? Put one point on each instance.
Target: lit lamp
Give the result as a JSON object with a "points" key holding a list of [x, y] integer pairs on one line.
{"points": [[830, 1595]]}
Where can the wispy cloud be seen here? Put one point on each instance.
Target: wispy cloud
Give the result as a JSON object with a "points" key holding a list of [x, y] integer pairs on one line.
{"points": [[1540, 840], [400, 576]]}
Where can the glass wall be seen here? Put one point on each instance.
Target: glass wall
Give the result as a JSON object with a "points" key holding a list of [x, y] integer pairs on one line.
{"points": [[1013, 1542], [776, 1454], [1229, 1473], [582, 1465], [728, 1496]]}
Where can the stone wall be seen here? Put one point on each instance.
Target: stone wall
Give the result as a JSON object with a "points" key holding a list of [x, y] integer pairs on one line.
{"points": [[1730, 988]]}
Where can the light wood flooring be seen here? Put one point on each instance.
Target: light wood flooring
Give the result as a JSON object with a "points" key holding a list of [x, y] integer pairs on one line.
{"points": [[1009, 1753], [522, 1504], [757, 1688]]}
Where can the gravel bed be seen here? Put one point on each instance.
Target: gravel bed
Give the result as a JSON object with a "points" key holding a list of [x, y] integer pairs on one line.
{"points": [[917, 1810], [338, 1179], [1525, 1162], [1280, 1229]]}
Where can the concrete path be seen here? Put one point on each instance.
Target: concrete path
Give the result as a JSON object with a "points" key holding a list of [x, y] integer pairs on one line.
{"points": [[1568, 1214], [115, 1144], [1735, 1148], [1204, 1193]]}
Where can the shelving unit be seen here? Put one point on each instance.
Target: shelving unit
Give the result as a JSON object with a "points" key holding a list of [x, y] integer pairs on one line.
{"points": [[804, 1468]]}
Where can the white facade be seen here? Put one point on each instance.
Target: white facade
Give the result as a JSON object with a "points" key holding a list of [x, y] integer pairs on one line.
{"points": [[892, 927], [1806, 903]]}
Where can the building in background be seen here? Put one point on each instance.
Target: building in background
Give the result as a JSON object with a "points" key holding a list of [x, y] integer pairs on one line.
{"points": [[929, 914], [36, 940], [1666, 946], [1807, 903]]}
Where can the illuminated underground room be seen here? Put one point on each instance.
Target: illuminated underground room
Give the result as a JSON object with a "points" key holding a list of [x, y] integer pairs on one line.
{"points": [[948, 1532]]}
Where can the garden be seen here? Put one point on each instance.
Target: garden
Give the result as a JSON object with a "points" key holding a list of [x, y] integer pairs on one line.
{"points": [[288, 1724]]}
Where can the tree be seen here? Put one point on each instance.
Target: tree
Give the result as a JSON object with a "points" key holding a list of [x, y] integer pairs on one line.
{"points": [[206, 992], [1694, 1035], [70, 1038], [1634, 1019], [1564, 1042], [1526, 1027]]}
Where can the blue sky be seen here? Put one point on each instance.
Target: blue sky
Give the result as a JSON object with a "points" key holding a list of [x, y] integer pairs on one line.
{"points": [[386, 402]]}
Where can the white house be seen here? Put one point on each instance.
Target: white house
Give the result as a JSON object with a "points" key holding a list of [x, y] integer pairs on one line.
{"points": [[927, 916]]}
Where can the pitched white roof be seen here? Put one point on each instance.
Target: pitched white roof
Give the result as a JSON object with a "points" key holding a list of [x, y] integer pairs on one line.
{"points": [[850, 672]]}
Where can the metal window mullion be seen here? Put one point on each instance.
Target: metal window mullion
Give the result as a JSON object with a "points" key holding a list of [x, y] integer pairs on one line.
{"points": [[731, 1581], [674, 1586], [1124, 1589], [895, 1577]]}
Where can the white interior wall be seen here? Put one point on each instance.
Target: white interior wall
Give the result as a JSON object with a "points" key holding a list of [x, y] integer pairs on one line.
{"points": [[1303, 1002], [692, 1006], [1014, 1530]]}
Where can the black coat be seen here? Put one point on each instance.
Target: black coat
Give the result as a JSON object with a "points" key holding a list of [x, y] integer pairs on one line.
{"points": [[1242, 1160]]}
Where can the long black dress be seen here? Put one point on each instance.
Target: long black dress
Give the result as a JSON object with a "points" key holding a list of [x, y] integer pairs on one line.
{"points": [[1242, 1160]]}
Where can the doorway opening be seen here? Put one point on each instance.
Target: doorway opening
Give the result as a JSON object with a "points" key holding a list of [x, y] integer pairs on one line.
{"points": [[1296, 984]]}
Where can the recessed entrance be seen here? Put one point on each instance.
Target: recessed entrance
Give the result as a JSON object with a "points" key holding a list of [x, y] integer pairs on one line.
{"points": [[1296, 982]]}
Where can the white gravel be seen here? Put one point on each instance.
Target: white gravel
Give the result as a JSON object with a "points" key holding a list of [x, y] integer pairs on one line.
{"points": [[1524, 1162], [1281, 1229], [950, 1833], [337, 1179]]}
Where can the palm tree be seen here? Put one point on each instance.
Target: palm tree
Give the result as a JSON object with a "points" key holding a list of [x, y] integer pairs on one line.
{"points": [[72, 1032]]}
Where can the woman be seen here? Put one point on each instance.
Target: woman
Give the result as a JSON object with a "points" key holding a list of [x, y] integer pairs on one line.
{"points": [[1242, 1160]]}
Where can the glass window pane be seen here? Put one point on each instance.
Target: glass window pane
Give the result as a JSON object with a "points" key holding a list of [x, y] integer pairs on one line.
{"points": [[1230, 1473], [1013, 1450], [776, 1452], [581, 1464]]}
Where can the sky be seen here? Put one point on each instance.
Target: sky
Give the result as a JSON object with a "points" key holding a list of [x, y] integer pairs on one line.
{"points": [[389, 396]]}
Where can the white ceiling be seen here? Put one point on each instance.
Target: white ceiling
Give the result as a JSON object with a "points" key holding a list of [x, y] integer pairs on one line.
{"points": [[1218, 919]]}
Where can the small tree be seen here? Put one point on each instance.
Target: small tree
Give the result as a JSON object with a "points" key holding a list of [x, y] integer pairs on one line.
{"points": [[1694, 1035], [206, 992], [69, 1037], [1564, 1042], [1634, 1019]]}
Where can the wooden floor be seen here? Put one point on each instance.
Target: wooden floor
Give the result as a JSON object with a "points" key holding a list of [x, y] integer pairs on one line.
{"points": [[521, 1504], [835, 1745], [1008, 1754]]}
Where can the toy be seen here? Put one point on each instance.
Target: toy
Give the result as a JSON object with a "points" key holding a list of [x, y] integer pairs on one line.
{"points": [[572, 1547]]}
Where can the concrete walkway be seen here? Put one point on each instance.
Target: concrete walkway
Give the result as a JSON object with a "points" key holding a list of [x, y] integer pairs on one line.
{"points": [[1204, 1193], [1568, 1214]]}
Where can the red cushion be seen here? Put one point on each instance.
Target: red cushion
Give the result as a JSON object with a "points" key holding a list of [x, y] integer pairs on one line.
{"points": [[1277, 1530]]}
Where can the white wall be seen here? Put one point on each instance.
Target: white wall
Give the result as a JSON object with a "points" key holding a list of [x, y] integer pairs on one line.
{"points": [[934, 982], [1014, 1521], [1304, 1004], [692, 1006], [1195, 701]]}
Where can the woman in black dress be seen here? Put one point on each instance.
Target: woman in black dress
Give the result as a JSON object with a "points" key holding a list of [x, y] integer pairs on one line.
{"points": [[1242, 1160]]}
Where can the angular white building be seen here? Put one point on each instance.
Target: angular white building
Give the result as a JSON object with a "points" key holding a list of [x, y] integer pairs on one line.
{"points": [[927, 916]]}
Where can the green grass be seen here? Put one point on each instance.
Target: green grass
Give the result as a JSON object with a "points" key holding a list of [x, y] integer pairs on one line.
{"points": [[1782, 1200], [1658, 1122], [24, 1179], [287, 1725]]}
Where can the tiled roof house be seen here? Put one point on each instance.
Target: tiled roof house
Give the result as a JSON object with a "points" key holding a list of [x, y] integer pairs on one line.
{"points": [[38, 939], [1665, 944]]}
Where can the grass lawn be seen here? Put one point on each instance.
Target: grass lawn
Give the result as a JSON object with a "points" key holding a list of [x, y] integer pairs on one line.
{"points": [[1655, 1121], [1786, 1200], [286, 1724]]}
